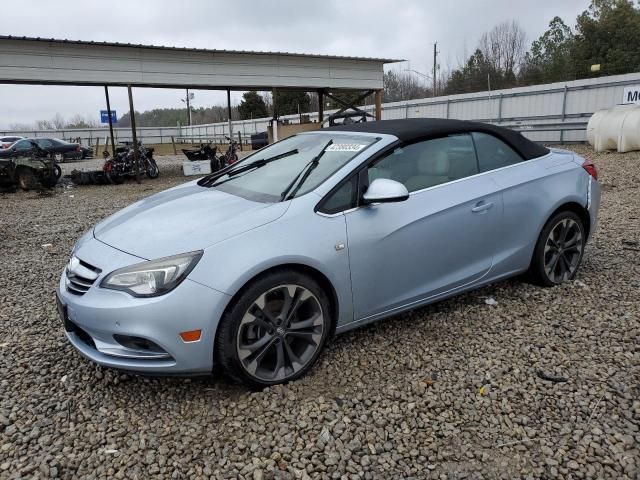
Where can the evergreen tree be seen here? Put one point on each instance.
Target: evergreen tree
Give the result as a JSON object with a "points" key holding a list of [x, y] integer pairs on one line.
{"points": [[287, 102], [550, 57], [252, 106], [608, 33]]}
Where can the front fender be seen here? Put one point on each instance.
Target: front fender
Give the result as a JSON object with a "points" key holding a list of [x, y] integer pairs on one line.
{"points": [[309, 240]]}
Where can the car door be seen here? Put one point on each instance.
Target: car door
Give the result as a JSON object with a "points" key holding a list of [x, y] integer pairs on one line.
{"points": [[527, 191], [45, 144], [440, 239], [22, 147]]}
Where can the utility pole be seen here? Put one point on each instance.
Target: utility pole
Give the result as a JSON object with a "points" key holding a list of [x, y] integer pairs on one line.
{"points": [[229, 114], [113, 143], [435, 67], [188, 108], [132, 116], [187, 100]]}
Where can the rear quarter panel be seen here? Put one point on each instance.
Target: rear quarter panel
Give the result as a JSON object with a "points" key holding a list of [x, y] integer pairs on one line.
{"points": [[532, 191]]}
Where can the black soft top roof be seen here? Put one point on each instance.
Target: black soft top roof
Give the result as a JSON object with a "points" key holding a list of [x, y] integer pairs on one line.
{"points": [[415, 129]]}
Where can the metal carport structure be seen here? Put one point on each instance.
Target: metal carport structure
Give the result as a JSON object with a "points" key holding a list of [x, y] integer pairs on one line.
{"points": [[28, 60]]}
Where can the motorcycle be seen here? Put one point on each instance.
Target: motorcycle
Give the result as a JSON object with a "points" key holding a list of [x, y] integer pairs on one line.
{"points": [[204, 152], [208, 152], [228, 158], [123, 165]]}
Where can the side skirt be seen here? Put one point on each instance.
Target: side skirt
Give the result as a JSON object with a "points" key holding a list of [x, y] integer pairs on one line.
{"points": [[427, 301]]}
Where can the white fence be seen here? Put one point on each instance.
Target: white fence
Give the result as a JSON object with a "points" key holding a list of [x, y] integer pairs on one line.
{"points": [[553, 112]]}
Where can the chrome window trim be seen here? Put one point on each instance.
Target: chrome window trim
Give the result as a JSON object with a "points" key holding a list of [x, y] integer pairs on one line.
{"points": [[332, 215], [344, 212]]}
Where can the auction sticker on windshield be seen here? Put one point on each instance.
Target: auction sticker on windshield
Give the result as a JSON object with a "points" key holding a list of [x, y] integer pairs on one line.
{"points": [[345, 147]]}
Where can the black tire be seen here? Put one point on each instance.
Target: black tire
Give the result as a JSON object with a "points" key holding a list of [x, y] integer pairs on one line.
{"points": [[114, 178], [26, 179], [57, 171], [230, 337], [152, 169], [543, 270], [49, 182]]}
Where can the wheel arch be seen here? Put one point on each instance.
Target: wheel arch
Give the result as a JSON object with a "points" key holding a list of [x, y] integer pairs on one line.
{"points": [[312, 272], [570, 206], [576, 208]]}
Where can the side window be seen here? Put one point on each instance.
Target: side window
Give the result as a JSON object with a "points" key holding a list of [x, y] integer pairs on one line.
{"points": [[340, 200], [44, 143], [493, 153], [23, 145], [429, 163]]}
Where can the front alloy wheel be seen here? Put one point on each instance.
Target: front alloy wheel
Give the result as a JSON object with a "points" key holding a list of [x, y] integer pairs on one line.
{"points": [[280, 333], [276, 331]]}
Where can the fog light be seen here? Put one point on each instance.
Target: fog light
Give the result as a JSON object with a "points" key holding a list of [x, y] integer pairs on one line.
{"points": [[191, 336]]}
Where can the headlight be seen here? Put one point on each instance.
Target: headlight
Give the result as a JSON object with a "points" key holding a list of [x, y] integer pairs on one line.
{"points": [[153, 278]]}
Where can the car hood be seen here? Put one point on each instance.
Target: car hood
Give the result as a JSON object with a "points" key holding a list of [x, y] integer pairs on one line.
{"points": [[183, 219]]}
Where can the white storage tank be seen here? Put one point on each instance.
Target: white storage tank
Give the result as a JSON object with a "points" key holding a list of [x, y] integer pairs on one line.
{"points": [[616, 128]]}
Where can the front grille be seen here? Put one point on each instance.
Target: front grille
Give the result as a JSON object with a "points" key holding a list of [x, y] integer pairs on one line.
{"points": [[80, 276]]}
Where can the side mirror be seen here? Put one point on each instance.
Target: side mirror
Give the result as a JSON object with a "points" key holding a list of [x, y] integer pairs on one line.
{"points": [[384, 190]]}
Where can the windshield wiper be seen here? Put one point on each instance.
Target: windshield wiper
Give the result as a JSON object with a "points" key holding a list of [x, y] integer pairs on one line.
{"points": [[262, 162], [231, 172], [303, 175]]}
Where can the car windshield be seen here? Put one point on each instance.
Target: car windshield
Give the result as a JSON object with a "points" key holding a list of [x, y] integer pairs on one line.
{"points": [[295, 172]]}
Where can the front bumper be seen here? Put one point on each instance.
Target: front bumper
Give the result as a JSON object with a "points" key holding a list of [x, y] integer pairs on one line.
{"points": [[97, 321]]}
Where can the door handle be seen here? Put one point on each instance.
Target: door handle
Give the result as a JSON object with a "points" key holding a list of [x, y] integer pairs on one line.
{"points": [[482, 207]]}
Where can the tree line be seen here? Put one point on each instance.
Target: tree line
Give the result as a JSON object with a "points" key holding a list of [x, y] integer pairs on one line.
{"points": [[605, 40]]}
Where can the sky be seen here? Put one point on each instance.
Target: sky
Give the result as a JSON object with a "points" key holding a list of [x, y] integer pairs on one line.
{"points": [[403, 29]]}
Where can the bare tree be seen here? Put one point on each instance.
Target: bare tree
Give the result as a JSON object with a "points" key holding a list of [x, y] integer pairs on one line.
{"points": [[400, 86], [268, 101], [44, 125], [58, 122], [504, 47], [79, 121]]}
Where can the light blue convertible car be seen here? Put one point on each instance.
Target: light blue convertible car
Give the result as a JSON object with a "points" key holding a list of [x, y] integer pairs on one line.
{"points": [[255, 267]]}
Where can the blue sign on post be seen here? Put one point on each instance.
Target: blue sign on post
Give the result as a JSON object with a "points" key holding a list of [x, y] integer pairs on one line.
{"points": [[104, 116]]}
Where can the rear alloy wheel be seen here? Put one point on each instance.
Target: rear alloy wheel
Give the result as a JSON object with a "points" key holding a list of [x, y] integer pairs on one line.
{"points": [[559, 250], [276, 331]]}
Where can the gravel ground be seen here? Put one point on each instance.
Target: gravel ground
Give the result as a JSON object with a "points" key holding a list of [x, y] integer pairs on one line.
{"points": [[448, 391]]}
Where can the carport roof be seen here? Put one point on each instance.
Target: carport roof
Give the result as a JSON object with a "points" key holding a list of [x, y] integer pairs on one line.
{"points": [[53, 61], [193, 49]]}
